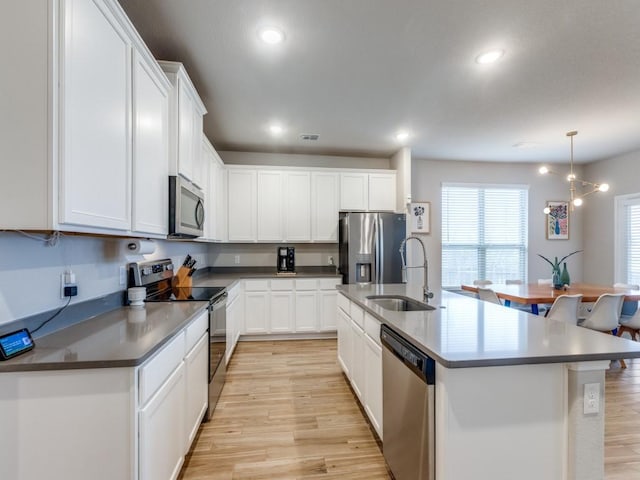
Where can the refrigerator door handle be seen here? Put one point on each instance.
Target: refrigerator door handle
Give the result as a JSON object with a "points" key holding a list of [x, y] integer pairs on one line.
{"points": [[379, 246]]}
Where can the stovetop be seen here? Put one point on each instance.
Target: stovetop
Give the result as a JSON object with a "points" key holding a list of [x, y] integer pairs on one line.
{"points": [[186, 294]]}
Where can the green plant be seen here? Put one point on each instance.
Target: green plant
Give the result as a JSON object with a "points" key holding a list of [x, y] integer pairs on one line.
{"points": [[555, 265]]}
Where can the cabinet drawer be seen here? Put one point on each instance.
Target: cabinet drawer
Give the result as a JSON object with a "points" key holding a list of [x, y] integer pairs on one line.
{"points": [[281, 285], [329, 283], [256, 285], [357, 314], [196, 329], [372, 328], [343, 303], [307, 284], [156, 370]]}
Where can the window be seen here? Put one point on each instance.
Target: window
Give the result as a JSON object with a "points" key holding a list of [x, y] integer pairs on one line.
{"points": [[627, 249], [484, 233]]}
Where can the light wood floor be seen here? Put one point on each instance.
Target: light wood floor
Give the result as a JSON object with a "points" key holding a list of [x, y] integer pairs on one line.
{"points": [[287, 412]]}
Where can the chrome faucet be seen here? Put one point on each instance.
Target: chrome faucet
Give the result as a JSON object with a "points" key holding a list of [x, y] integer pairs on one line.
{"points": [[427, 294]]}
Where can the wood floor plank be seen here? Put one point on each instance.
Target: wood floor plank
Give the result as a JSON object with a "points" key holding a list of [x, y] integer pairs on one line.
{"points": [[287, 412]]}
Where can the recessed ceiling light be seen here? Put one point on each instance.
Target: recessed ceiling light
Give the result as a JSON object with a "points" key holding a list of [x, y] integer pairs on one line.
{"points": [[271, 35], [402, 136], [490, 56], [276, 129]]}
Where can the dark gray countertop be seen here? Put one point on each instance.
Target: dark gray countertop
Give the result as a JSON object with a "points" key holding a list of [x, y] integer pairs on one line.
{"points": [[124, 337], [464, 332]]}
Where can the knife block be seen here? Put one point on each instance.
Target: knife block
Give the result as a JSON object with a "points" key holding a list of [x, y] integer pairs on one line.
{"points": [[182, 278]]}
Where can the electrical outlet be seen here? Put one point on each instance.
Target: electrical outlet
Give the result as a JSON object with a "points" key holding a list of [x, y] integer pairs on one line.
{"points": [[237, 259], [68, 286], [123, 275], [591, 398]]}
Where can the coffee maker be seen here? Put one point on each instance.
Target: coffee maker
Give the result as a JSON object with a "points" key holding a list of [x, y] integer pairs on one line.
{"points": [[286, 259]]}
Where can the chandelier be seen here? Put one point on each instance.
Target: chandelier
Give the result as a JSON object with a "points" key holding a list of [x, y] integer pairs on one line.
{"points": [[575, 199]]}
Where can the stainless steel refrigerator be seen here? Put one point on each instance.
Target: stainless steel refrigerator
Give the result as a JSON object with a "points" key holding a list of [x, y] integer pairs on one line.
{"points": [[370, 246]]}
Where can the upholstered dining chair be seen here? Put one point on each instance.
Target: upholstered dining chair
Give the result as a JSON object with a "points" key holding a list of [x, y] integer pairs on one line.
{"points": [[565, 308], [482, 283], [513, 282], [605, 315], [488, 295], [545, 281]]}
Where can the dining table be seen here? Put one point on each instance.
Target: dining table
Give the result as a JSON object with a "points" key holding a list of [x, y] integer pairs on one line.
{"points": [[534, 294]]}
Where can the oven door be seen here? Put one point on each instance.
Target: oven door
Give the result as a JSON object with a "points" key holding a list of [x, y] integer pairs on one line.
{"points": [[217, 349]]}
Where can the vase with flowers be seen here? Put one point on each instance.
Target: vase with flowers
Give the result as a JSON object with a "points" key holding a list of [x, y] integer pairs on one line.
{"points": [[559, 278]]}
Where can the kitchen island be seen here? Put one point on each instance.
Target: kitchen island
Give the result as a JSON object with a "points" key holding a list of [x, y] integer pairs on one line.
{"points": [[509, 399]]}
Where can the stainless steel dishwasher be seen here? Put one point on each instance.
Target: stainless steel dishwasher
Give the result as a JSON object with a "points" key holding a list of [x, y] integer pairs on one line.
{"points": [[408, 408]]}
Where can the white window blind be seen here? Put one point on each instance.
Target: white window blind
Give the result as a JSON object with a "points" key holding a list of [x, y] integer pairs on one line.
{"points": [[484, 233], [628, 242]]}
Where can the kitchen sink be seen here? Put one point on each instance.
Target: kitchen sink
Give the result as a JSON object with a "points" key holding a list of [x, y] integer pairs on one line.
{"points": [[399, 303]]}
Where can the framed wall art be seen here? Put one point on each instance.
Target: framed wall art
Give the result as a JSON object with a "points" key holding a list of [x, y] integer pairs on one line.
{"points": [[557, 221], [420, 217]]}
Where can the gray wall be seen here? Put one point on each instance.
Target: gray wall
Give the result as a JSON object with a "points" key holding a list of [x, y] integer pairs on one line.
{"points": [[30, 271], [427, 179], [623, 174], [264, 255]]}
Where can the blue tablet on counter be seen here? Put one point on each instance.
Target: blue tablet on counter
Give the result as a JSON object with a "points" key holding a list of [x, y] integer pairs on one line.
{"points": [[14, 343]]}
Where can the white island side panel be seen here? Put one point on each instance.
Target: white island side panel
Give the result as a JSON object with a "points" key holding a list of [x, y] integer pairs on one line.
{"points": [[501, 423]]}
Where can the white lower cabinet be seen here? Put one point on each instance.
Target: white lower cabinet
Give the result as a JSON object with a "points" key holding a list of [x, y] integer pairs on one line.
{"points": [[285, 306], [373, 383], [360, 357], [256, 312], [344, 341], [235, 319], [197, 387], [357, 356], [173, 397], [162, 430], [306, 311], [281, 312]]}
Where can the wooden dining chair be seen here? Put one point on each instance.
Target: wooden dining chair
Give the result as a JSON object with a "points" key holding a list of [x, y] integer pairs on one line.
{"points": [[488, 295], [565, 308], [605, 315]]}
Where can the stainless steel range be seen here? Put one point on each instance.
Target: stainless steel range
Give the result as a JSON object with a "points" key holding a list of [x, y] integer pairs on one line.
{"points": [[158, 278]]}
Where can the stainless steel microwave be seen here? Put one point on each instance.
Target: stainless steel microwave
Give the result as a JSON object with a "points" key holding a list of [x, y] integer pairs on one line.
{"points": [[186, 209]]}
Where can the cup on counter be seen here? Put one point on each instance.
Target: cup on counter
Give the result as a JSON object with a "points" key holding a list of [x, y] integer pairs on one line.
{"points": [[136, 296]]}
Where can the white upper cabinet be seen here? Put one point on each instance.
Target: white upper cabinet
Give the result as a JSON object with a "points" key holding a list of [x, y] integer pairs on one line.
{"points": [[368, 191], [325, 205], [242, 208], [212, 164], [95, 161], [297, 206], [151, 147], [354, 191], [185, 125], [92, 100], [269, 207], [382, 191]]}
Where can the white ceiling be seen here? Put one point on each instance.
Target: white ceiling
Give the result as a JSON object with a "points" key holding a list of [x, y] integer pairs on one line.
{"points": [[357, 71]]}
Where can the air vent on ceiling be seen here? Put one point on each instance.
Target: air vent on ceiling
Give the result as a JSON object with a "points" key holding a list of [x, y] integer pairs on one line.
{"points": [[310, 136]]}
